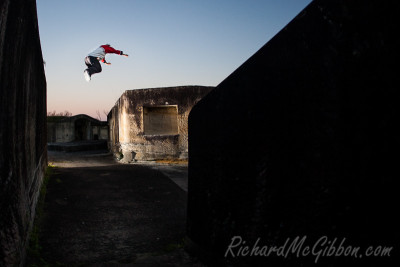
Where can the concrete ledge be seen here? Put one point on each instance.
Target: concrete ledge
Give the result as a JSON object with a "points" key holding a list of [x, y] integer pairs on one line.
{"points": [[78, 146]]}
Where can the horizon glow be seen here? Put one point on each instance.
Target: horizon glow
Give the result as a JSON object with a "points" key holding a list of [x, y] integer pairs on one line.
{"points": [[169, 43]]}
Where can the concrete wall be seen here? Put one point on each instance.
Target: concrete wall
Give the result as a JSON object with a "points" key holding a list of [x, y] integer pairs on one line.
{"points": [[23, 155], [76, 128], [303, 141], [153, 108], [60, 132]]}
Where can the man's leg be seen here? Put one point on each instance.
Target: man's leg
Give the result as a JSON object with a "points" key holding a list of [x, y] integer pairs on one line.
{"points": [[93, 65]]}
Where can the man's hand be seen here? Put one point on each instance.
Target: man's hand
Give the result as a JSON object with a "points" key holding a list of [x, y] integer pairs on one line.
{"points": [[107, 63], [125, 55]]}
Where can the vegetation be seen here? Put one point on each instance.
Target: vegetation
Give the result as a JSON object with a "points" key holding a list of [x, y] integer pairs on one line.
{"points": [[172, 161], [34, 257], [174, 246], [54, 116]]}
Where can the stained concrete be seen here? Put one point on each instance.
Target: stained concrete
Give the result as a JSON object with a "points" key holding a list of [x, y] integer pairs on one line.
{"points": [[23, 154], [304, 141], [143, 125]]}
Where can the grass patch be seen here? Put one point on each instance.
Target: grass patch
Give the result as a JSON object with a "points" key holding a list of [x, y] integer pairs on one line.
{"points": [[119, 156], [174, 246], [172, 161], [34, 249]]}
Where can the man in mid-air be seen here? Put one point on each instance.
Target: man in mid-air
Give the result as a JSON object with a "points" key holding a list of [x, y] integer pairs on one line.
{"points": [[99, 54]]}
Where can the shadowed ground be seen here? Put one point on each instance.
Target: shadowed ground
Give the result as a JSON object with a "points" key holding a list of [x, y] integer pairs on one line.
{"points": [[112, 214]]}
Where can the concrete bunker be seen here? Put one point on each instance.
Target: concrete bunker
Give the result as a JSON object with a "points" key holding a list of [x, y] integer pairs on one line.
{"points": [[76, 133], [152, 124], [76, 128]]}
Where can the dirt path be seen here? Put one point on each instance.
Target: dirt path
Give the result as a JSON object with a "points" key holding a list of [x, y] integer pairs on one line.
{"points": [[100, 213]]}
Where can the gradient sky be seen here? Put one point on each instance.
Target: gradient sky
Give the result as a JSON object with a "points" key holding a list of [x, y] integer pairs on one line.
{"points": [[169, 42]]}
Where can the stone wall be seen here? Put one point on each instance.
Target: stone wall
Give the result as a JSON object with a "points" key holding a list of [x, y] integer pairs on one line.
{"points": [[59, 132], [143, 125], [23, 155], [303, 142]]}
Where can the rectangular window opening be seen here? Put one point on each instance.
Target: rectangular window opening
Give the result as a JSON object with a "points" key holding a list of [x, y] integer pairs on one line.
{"points": [[160, 120]]}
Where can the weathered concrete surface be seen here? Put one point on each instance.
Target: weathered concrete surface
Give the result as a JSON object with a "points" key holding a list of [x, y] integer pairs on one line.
{"points": [[129, 137], [99, 213], [23, 155], [303, 141]]}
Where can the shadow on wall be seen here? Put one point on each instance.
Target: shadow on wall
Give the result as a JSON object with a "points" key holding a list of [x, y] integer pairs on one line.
{"points": [[23, 155], [311, 150]]}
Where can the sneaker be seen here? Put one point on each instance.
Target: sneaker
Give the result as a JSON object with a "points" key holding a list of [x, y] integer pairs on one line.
{"points": [[87, 75]]}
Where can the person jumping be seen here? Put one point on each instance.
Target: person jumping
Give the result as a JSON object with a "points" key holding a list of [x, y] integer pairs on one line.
{"points": [[99, 54]]}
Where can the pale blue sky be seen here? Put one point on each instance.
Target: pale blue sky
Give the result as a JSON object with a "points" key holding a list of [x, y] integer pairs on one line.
{"points": [[169, 42]]}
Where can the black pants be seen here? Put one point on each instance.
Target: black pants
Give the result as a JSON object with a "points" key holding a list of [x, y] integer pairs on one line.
{"points": [[93, 65]]}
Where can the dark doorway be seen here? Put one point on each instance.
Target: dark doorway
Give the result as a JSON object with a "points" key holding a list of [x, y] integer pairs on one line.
{"points": [[81, 126]]}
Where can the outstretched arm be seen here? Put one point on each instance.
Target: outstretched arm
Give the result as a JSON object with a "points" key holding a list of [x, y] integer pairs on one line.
{"points": [[109, 49], [122, 53]]}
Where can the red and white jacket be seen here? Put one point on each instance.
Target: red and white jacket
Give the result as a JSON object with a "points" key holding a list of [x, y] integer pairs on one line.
{"points": [[101, 52]]}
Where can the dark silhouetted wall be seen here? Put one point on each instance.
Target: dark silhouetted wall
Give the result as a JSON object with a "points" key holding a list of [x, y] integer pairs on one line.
{"points": [[23, 155], [301, 140]]}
